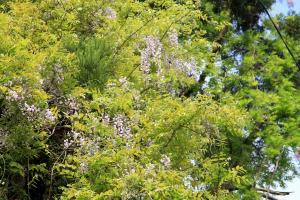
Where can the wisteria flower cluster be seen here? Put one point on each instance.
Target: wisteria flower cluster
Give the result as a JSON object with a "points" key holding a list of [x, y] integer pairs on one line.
{"points": [[31, 112], [74, 138], [89, 145], [49, 116], [13, 96], [121, 126], [110, 13], [190, 68], [86, 145], [58, 71], [124, 82], [83, 167], [166, 161], [173, 38], [72, 105], [152, 53]]}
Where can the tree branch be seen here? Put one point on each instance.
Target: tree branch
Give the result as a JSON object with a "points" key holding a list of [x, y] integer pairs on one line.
{"points": [[268, 197], [273, 191]]}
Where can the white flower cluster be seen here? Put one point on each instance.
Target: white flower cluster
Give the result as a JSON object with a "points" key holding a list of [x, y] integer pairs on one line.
{"points": [[153, 51], [121, 126], [110, 13], [88, 146], [30, 108], [123, 81], [83, 167], [173, 38], [188, 180], [188, 67], [72, 104], [58, 71], [149, 168], [49, 115], [30, 111], [13, 96], [105, 119], [67, 143], [166, 161], [8, 84], [137, 102], [74, 138]]}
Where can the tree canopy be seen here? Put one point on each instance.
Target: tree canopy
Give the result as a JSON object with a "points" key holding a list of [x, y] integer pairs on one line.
{"points": [[147, 99]]}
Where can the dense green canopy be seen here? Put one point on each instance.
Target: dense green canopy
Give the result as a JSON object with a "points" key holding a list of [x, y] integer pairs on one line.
{"points": [[152, 99]]}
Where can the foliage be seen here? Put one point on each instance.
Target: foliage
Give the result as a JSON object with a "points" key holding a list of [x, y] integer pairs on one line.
{"points": [[155, 99]]}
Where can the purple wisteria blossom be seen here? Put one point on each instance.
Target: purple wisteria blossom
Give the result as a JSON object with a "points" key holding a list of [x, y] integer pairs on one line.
{"points": [[166, 161], [110, 13], [173, 38], [13, 96], [152, 53], [121, 126]]}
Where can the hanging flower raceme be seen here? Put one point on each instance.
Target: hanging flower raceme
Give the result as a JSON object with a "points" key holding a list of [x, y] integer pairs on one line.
{"points": [[110, 13], [173, 38], [189, 67], [121, 126], [13, 96], [152, 53], [166, 161]]}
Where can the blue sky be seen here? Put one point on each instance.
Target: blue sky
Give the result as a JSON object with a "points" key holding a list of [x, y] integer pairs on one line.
{"points": [[281, 6]]}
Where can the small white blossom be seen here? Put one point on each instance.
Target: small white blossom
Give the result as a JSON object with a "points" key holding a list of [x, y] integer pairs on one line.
{"points": [[123, 81], [72, 104], [105, 118], [110, 13], [173, 38], [67, 143], [13, 96], [49, 115], [83, 168], [8, 84], [152, 52], [166, 161], [75, 135], [120, 124], [59, 75], [149, 168], [30, 108], [30, 111]]}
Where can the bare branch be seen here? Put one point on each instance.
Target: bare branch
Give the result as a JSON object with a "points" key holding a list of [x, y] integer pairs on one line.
{"points": [[273, 191]]}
